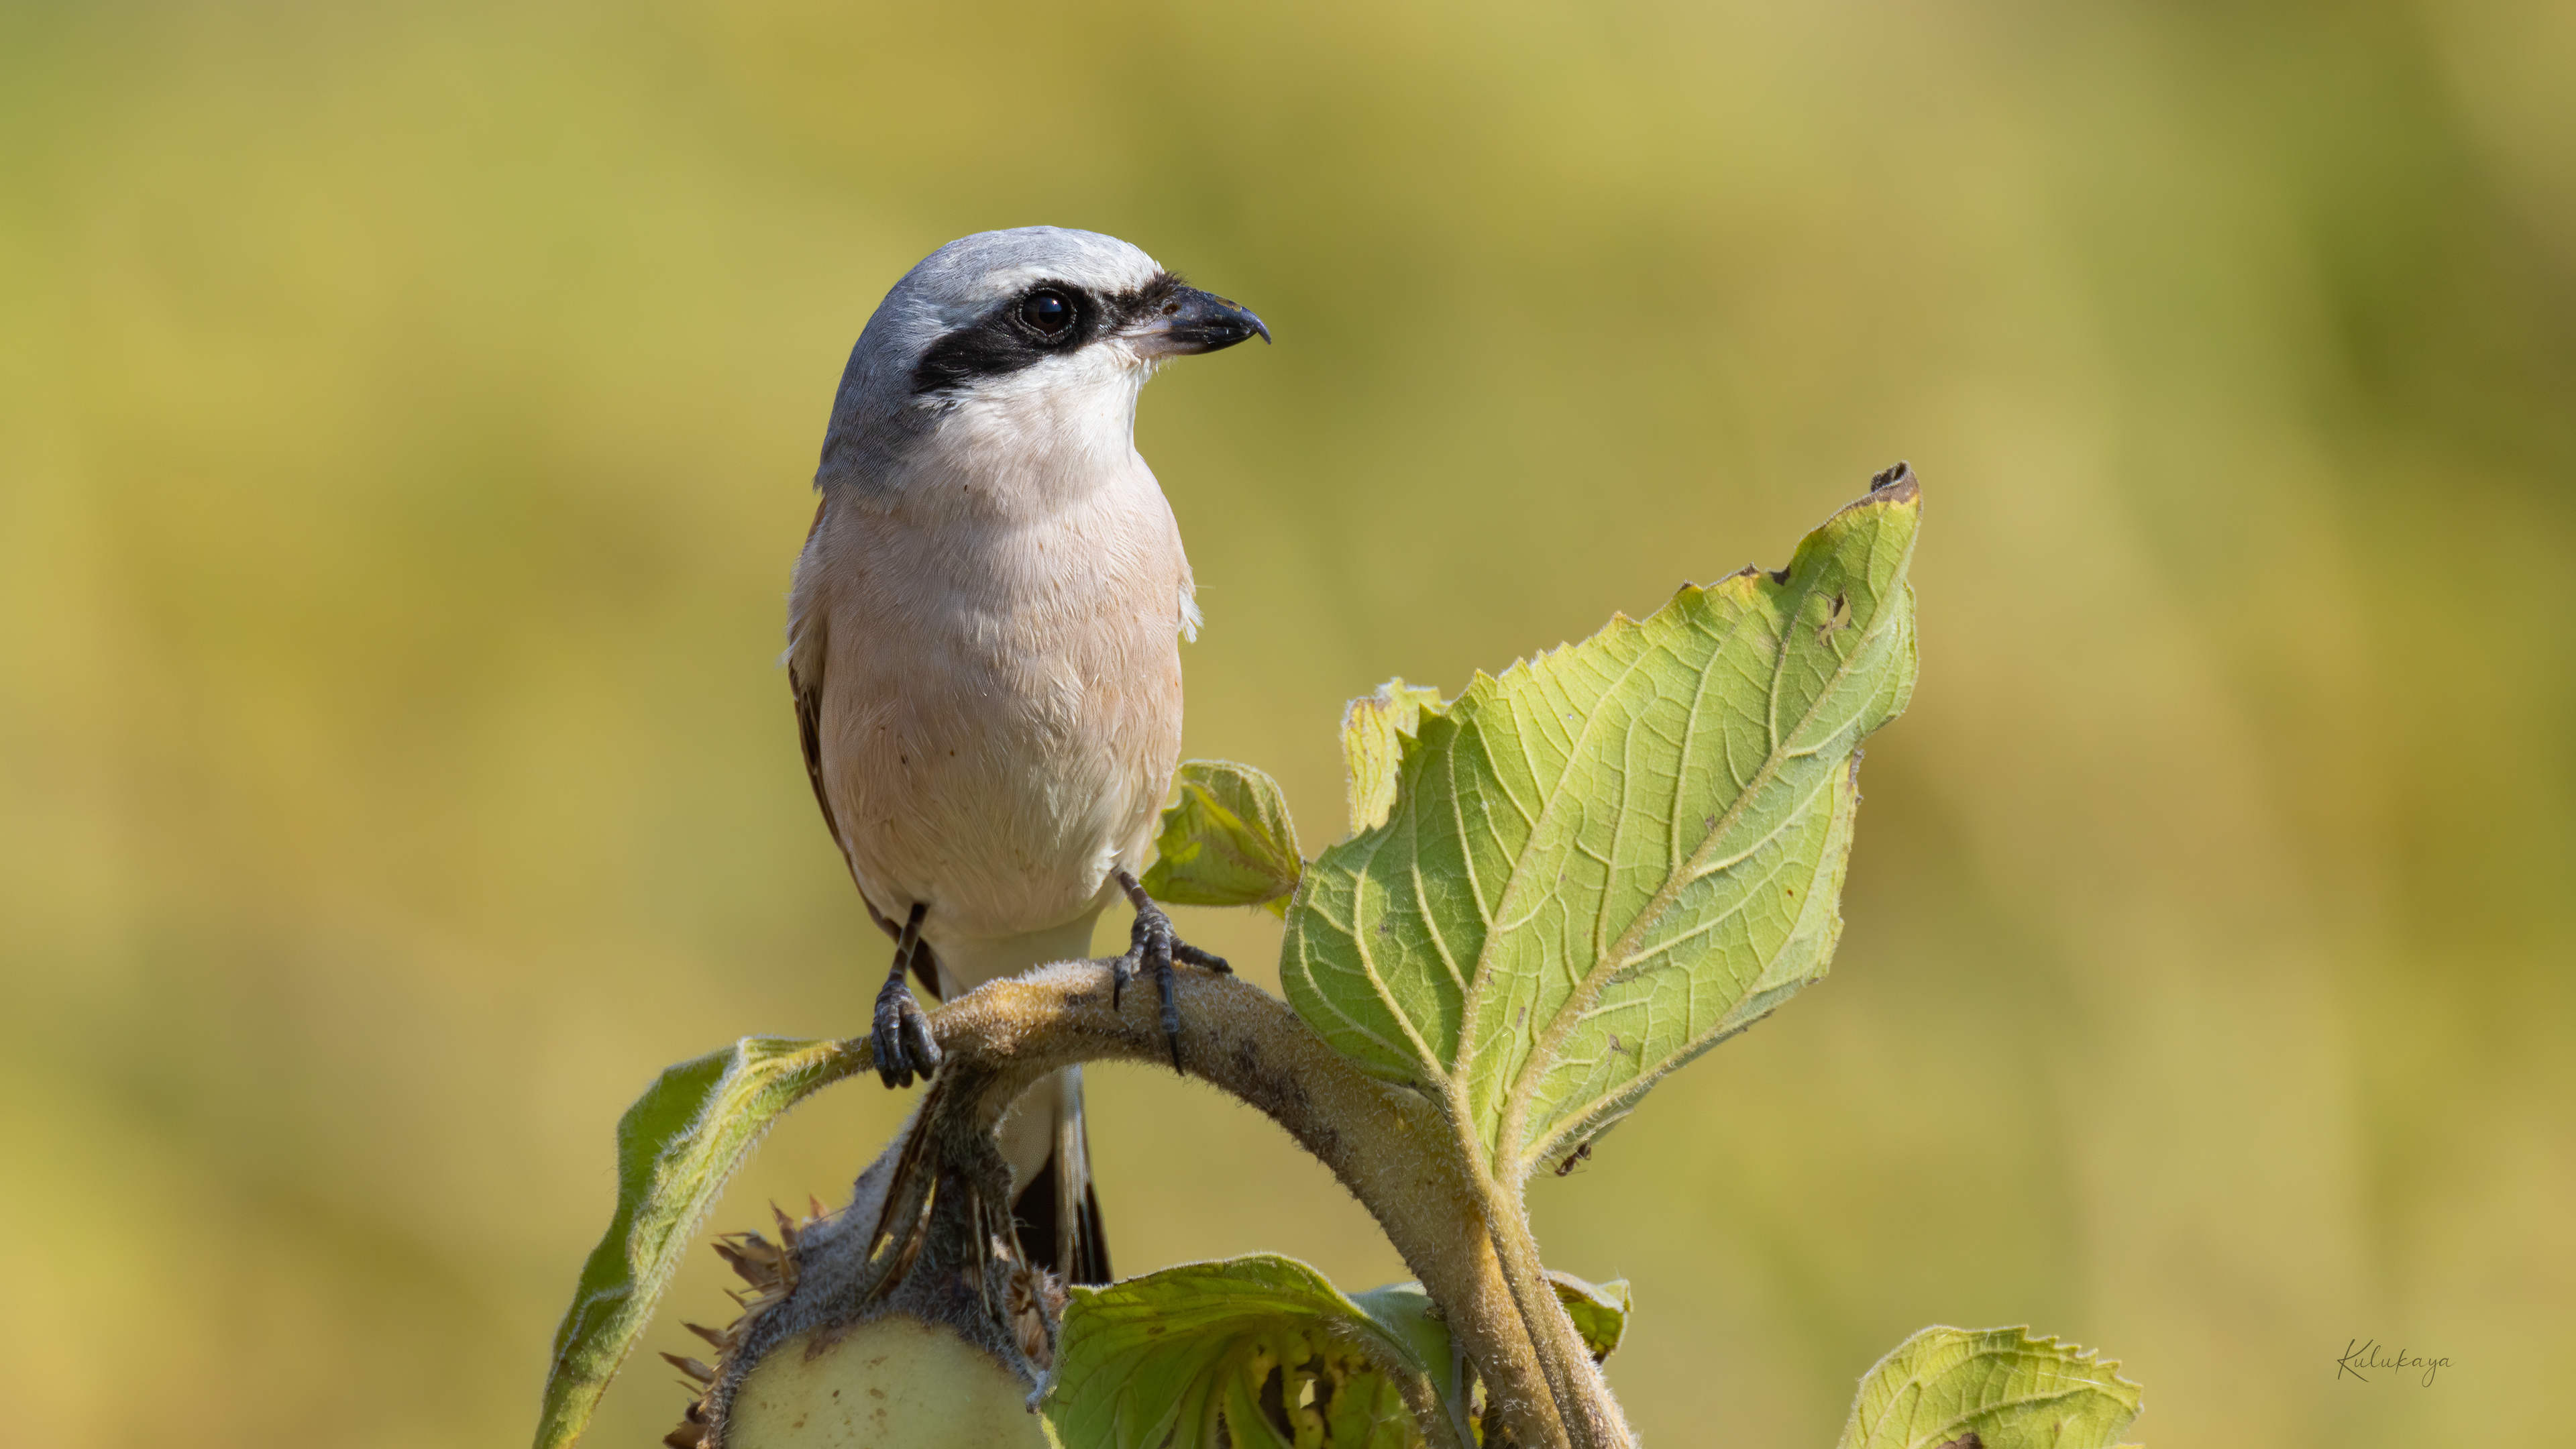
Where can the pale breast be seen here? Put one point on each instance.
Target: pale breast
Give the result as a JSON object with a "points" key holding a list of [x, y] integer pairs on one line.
{"points": [[1000, 702]]}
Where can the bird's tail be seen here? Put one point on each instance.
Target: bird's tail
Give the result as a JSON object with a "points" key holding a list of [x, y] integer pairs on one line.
{"points": [[1058, 1210]]}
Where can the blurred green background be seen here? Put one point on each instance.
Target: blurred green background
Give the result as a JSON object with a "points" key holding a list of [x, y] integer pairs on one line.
{"points": [[406, 414]]}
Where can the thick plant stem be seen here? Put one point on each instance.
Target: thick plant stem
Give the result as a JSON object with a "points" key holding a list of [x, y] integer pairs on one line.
{"points": [[1591, 1417], [1464, 1238]]}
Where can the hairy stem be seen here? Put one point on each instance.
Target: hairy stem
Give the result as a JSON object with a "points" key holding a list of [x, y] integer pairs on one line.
{"points": [[1591, 1417], [1464, 1236]]}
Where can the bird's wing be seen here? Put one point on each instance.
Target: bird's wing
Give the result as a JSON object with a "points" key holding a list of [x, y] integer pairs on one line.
{"points": [[808, 629]]}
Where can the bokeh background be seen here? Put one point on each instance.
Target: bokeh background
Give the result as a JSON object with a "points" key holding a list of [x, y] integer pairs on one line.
{"points": [[406, 413]]}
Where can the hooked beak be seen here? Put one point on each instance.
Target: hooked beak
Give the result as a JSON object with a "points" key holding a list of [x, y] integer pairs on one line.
{"points": [[1189, 321]]}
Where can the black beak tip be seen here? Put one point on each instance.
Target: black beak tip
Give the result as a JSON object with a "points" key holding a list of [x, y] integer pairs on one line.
{"points": [[1206, 322]]}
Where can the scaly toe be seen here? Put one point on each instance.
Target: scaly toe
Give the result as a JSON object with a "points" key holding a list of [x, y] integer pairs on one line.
{"points": [[899, 1040]]}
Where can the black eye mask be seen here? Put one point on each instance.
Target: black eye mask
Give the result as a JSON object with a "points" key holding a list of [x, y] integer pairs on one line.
{"points": [[1046, 319]]}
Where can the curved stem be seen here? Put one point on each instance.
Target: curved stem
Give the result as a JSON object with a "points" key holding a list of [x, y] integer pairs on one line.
{"points": [[1463, 1235]]}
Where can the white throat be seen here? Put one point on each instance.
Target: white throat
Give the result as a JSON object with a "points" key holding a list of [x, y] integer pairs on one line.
{"points": [[1036, 441]]}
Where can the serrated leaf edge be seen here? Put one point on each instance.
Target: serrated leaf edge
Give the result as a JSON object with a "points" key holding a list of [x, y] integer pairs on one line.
{"points": [[1615, 963], [1414, 1059], [2076, 1356]]}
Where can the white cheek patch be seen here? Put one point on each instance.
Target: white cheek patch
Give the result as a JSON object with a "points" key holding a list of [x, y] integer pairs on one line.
{"points": [[1103, 377], [1077, 411]]}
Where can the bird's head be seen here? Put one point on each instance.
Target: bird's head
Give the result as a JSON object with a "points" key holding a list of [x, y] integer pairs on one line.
{"points": [[1037, 333]]}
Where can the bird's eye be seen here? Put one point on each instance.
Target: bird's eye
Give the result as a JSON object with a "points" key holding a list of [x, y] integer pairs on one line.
{"points": [[1050, 312]]}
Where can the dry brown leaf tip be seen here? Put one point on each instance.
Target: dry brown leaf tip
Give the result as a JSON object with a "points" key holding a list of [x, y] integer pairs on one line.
{"points": [[692, 1431], [693, 1368]]}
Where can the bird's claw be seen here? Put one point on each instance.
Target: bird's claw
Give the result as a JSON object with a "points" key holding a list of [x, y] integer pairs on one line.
{"points": [[1153, 946], [899, 1040]]}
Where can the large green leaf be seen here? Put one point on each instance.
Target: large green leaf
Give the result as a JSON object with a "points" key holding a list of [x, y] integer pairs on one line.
{"points": [[1610, 857], [1270, 1350], [2010, 1390], [676, 1148], [1251, 1351], [1227, 839]]}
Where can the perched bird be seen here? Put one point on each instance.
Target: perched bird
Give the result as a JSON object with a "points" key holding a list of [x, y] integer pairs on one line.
{"points": [[984, 644]]}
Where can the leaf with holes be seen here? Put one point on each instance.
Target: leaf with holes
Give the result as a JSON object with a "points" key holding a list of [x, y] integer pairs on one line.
{"points": [[1996, 1387], [676, 1148], [1605, 860], [1227, 840], [1259, 1350]]}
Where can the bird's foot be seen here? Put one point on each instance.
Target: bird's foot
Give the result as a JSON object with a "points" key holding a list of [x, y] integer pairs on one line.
{"points": [[899, 1039], [1153, 946]]}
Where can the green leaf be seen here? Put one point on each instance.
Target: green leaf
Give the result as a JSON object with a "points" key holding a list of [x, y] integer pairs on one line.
{"points": [[1407, 1314], [1262, 1344], [1609, 858], [1373, 731], [1161, 1360], [1227, 840], [1599, 1310], [2009, 1389], [676, 1148]]}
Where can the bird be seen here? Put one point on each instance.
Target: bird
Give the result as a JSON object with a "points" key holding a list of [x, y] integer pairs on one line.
{"points": [[983, 642]]}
